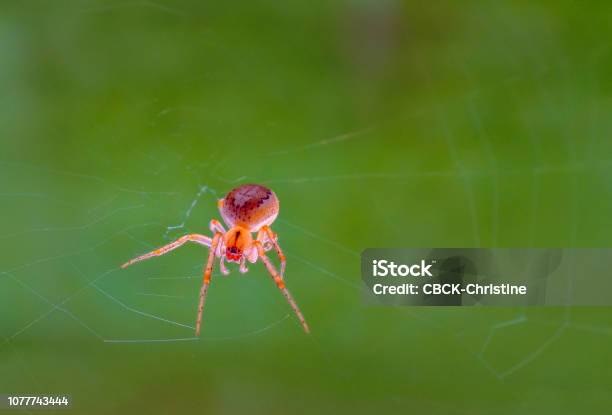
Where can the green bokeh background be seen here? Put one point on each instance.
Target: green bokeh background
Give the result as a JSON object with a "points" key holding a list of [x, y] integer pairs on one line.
{"points": [[377, 123]]}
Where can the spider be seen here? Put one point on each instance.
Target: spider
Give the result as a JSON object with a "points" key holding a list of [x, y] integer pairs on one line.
{"points": [[246, 209]]}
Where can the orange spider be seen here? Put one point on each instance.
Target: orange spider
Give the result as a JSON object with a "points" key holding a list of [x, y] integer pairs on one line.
{"points": [[246, 209]]}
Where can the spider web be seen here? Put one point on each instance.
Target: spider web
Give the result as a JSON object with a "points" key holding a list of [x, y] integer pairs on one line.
{"points": [[114, 204], [141, 301]]}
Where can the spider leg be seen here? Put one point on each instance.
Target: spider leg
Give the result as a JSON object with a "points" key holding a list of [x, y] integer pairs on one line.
{"points": [[265, 230], [280, 284], [206, 279], [222, 266], [215, 226], [243, 265], [194, 237]]}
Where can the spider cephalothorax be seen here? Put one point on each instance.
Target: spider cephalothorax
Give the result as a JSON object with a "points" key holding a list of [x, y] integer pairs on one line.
{"points": [[236, 241], [246, 209]]}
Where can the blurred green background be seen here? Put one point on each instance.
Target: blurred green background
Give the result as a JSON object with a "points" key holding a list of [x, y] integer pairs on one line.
{"points": [[377, 123]]}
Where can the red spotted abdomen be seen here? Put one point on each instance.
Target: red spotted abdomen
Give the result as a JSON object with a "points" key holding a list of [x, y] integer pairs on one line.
{"points": [[250, 205]]}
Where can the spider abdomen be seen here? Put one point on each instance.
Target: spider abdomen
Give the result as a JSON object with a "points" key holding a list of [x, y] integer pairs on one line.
{"points": [[249, 205]]}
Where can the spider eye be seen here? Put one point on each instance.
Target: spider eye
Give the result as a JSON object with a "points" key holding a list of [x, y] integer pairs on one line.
{"points": [[233, 253]]}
